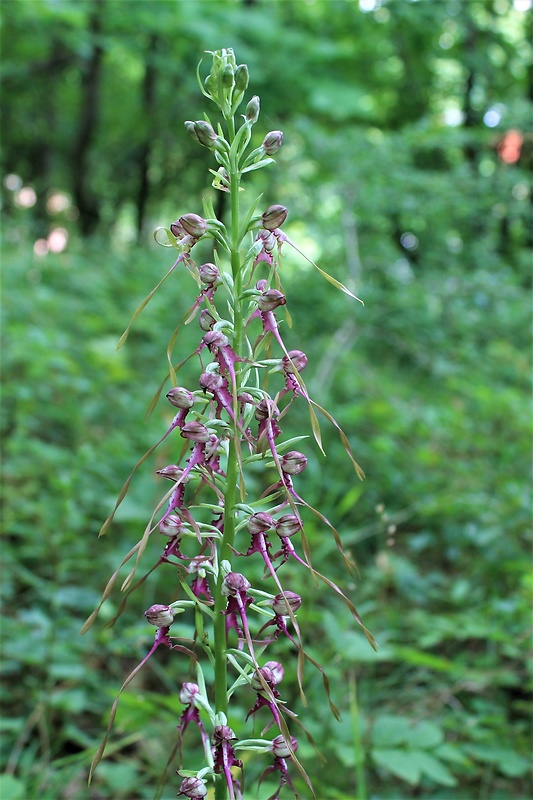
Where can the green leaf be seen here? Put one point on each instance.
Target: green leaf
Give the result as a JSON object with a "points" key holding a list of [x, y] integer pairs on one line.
{"points": [[389, 730], [434, 769], [399, 762], [12, 788], [425, 734]]}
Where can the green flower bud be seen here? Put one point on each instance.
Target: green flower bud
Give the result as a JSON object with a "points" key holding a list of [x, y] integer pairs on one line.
{"points": [[227, 77], [241, 78], [189, 126], [252, 109], [205, 133]]}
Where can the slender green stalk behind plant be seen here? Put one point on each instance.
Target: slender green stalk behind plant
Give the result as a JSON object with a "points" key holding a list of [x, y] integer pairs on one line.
{"points": [[229, 425]]}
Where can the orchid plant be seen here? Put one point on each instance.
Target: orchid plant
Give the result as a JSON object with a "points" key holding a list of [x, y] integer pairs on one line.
{"points": [[229, 425]]}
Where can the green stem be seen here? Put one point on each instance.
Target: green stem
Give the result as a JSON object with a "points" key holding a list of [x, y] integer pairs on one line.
{"points": [[232, 474], [358, 745]]}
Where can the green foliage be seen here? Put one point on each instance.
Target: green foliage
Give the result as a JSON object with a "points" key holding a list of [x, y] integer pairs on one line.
{"points": [[429, 379]]}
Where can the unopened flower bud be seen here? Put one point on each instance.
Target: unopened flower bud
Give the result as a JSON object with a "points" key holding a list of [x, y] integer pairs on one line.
{"points": [[234, 583], [159, 615], [260, 523], [193, 787], [211, 382], [272, 142], [293, 463], [195, 431], [288, 525], [205, 133], [177, 230], [271, 299], [206, 320], [208, 273], [281, 601], [280, 747], [296, 361], [215, 339], [171, 525], [241, 78], [274, 217], [172, 472], [193, 224], [180, 397], [189, 126], [188, 692], [252, 109], [227, 77]]}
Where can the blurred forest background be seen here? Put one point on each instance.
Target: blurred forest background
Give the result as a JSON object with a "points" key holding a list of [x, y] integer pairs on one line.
{"points": [[406, 170]]}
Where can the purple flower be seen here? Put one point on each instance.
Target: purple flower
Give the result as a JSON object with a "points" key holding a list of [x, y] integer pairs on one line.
{"points": [[159, 615], [224, 756], [193, 787], [281, 752], [188, 694]]}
